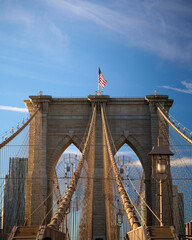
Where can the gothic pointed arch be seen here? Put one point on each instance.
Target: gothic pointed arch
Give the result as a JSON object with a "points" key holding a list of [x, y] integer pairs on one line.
{"points": [[63, 144], [135, 146]]}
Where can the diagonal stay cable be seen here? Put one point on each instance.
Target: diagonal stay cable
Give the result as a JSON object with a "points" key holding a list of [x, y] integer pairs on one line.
{"points": [[65, 203], [128, 208], [104, 116], [43, 202]]}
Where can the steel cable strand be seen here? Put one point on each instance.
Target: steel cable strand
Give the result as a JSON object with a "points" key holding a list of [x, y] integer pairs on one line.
{"points": [[127, 202], [129, 212], [176, 149], [19, 130], [167, 118], [83, 234], [173, 120], [23, 147], [110, 135], [122, 192], [59, 197], [64, 205], [57, 188], [131, 204], [11, 129], [128, 177], [141, 197], [164, 129], [21, 152], [177, 152], [140, 188], [185, 185], [40, 205], [85, 227], [110, 207], [87, 128], [85, 206], [106, 193], [16, 216], [180, 156], [53, 207], [50, 194]]}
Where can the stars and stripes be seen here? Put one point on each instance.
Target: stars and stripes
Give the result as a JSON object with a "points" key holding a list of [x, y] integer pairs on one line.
{"points": [[102, 81]]}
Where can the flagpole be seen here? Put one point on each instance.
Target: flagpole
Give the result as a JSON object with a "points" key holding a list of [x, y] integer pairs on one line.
{"points": [[98, 81]]}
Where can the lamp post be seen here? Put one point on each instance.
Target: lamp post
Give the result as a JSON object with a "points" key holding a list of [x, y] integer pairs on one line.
{"points": [[119, 220], [160, 169]]}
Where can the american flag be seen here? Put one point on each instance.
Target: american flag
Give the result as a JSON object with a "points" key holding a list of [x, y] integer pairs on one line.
{"points": [[102, 81]]}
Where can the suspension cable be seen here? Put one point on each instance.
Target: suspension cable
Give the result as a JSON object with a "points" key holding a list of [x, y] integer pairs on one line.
{"points": [[172, 122], [18, 131], [180, 167], [64, 205], [141, 196], [127, 174], [42, 203], [133, 220], [140, 187], [58, 198]]}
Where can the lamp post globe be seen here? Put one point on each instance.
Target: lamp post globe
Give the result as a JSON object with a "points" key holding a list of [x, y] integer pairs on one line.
{"points": [[160, 166]]}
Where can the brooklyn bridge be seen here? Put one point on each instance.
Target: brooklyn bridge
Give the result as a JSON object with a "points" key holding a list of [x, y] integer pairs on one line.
{"points": [[48, 194]]}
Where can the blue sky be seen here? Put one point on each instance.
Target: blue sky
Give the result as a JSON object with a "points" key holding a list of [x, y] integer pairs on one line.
{"points": [[56, 45]]}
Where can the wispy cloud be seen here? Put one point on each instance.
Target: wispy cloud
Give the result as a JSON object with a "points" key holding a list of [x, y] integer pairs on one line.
{"points": [[181, 162], [14, 109], [133, 164], [16, 14], [160, 27], [125, 153], [187, 89], [56, 31], [29, 28], [157, 26], [127, 158], [73, 151]]}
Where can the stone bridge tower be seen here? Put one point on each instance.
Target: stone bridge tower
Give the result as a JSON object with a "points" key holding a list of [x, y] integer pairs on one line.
{"points": [[62, 121]]}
